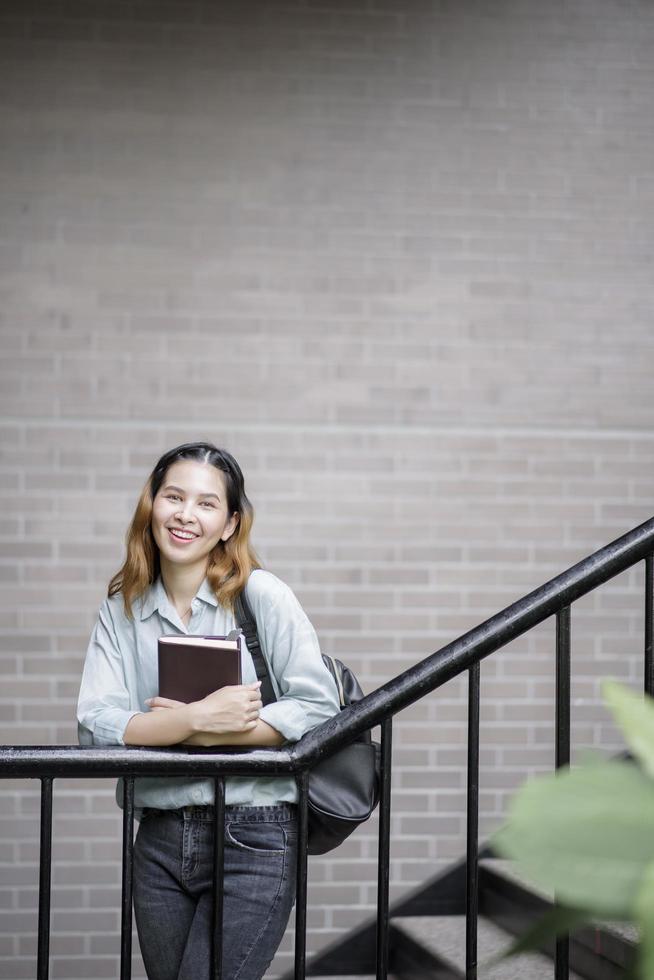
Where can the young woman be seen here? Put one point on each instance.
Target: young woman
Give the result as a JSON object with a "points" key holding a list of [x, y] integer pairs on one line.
{"points": [[188, 557]]}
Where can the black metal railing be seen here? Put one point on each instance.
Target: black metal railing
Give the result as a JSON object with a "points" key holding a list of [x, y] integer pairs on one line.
{"points": [[555, 598]]}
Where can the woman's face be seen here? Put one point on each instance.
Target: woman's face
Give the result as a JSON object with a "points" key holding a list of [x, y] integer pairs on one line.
{"points": [[189, 513]]}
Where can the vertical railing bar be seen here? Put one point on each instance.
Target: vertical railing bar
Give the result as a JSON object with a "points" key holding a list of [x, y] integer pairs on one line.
{"points": [[562, 960], [45, 880], [218, 877], [563, 687], [301, 881], [127, 879], [472, 830], [649, 625], [384, 848]]}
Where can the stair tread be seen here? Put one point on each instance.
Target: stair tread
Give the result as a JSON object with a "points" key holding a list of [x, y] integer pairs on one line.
{"points": [[509, 870], [445, 937], [626, 930]]}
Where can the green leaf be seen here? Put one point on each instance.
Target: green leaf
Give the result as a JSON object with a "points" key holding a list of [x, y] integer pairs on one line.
{"points": [[634, 714], [645, 918], [586, 834]]}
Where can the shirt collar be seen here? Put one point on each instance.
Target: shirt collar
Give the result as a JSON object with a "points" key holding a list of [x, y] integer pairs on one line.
{"points": [[206, 593], [156, 599]]}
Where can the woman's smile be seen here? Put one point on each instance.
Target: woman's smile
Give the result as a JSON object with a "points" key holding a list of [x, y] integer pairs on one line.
{"points": [[179, 534]]}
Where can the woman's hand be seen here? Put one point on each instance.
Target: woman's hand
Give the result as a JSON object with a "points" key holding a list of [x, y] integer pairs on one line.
{"points": [[160, 704], [230, 709]]}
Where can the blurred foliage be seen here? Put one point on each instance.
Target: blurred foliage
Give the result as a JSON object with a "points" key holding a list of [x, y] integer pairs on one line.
{"points": [[588, 834]]}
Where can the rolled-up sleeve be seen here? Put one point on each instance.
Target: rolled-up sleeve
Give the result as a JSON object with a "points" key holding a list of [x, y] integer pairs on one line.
{"points": [[306, 691], [103, 707]]}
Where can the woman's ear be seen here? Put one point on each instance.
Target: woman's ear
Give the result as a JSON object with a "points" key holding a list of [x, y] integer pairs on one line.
{"points": [[231, 526]]}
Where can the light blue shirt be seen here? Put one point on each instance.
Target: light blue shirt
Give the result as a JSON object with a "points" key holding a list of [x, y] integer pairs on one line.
{"points": [[121, 671]]}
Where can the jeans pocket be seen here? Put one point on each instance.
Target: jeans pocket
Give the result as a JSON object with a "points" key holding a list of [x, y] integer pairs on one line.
{"points": [[258, 838]]}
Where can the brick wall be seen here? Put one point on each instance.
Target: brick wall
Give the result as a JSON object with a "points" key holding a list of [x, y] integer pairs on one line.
{"points": [[396, 256]]}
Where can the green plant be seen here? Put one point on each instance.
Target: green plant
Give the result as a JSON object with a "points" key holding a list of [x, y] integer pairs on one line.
{"points": [[588, 834]]}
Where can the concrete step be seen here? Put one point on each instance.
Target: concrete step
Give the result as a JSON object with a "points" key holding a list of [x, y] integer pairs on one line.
{"points": [[445, 939], [626, 931], [510, 871]]}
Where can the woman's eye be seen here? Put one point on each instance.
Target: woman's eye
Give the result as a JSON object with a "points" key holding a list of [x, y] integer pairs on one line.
{"points": [[208, 505], [172, 496]]}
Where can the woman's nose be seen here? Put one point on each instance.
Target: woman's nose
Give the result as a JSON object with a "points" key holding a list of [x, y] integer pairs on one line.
{"points": [[185, 512]]}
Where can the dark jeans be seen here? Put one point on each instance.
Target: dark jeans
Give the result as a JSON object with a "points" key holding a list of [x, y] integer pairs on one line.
{"points": [[173, 859]]}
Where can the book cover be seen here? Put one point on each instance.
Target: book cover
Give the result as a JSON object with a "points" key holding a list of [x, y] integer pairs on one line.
{"points": [[190, 667]]}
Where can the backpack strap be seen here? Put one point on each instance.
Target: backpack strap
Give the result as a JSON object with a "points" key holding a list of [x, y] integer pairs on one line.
{"points": [[246, 621]]}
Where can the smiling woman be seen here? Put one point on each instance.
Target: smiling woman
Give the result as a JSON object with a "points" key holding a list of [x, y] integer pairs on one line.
{"points": [[232, 560], [188, 558], [190, 517]]}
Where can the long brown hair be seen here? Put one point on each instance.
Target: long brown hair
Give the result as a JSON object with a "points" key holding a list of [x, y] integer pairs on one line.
{"points": [[231, 561]]}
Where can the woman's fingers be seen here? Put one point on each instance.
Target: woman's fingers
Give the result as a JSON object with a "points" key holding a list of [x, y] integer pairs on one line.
{"points": [[163, 703], [234, 708], [255, 705], [249, 690]]}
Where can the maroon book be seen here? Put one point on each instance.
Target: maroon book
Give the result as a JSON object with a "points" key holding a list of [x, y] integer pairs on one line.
{"points": [[190, 667]]}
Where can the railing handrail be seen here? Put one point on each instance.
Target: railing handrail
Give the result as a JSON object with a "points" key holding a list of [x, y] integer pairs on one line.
{"points": [[73, 761], [473, 646], [385, 701]]}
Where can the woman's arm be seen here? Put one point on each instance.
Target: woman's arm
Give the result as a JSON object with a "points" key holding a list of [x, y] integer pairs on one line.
{"points": [[159, 727], [231, 711], [306, 691], [105, 705], [261, 735], [107, 713]]}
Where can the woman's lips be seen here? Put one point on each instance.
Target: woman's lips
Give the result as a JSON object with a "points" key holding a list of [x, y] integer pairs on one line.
{"points": [[181, 537]]}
